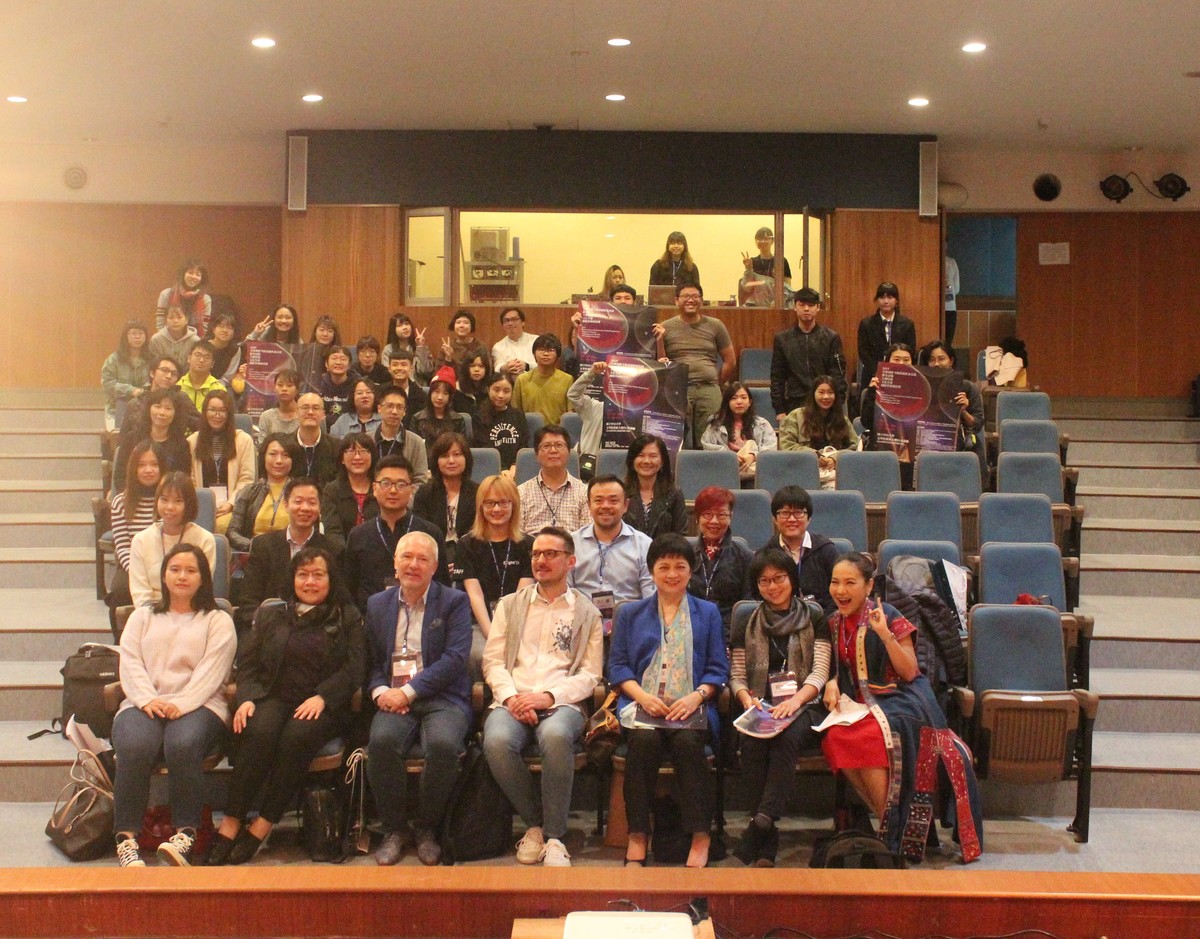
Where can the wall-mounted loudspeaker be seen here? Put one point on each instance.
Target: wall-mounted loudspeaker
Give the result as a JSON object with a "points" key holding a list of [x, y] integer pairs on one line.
{"points": [[1047, 187], [927, 204], [297, 174]]}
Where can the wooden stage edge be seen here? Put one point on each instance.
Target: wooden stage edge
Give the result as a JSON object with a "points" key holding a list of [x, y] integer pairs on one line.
{"points": [[364, 901]]}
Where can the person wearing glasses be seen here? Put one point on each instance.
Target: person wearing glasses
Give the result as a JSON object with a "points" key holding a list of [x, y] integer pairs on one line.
{"points": [[369, 559], [722, 561], [494, 554], [553, 497], [163, 375], [392, 438], [316, 447], [514, 353], [814, 554]]}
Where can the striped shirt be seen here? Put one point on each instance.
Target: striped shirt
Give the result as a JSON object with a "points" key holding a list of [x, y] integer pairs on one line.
{"points": [[123, 531]]}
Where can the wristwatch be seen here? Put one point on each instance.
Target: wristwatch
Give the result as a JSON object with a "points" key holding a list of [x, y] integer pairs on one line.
{"points": [[703, 692]]}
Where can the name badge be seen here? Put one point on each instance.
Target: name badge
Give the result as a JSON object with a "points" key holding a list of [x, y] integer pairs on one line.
{"points": [[405, 666], [781, 685], [605, 602]]}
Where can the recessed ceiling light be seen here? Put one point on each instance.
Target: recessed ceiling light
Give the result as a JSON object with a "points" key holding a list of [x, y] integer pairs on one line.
{"points": [[918, 102], [974, 47], [16, 99], [263, 42], [618, 42], [313, 99], [614, 97], [610, 235], [610, 217]]}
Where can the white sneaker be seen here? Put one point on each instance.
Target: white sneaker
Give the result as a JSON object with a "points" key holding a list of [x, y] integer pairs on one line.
{"points": [[555, 854], [175, 850], [128, 854], [529, 848]]}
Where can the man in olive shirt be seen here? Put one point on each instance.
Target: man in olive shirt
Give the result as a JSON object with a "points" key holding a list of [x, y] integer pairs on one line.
{"points": [[702, 343]]}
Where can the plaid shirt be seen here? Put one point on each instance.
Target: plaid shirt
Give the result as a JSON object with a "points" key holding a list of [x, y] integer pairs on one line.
{"points": [[565, 507]]}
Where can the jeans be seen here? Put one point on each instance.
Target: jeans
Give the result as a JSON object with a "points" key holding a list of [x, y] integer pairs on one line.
{"points": [[275, 749], [646, 751], [441, 728], [770, 765], [504, 740], [140, 741]]}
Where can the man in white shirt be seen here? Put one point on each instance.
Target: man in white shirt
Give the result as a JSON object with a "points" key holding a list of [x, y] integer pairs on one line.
{"points": [[543, 659], [514, 353]]}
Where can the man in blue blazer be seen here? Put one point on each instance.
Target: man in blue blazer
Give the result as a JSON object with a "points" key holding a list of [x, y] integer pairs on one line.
{"points": [[419, 640]]}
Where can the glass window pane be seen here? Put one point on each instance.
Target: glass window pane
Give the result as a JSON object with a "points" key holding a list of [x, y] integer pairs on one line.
{"points": [[793, 226], [425, 267]]}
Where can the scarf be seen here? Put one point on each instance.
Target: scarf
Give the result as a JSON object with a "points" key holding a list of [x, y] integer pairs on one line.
{"points": [[673, 659], [794, 626]]}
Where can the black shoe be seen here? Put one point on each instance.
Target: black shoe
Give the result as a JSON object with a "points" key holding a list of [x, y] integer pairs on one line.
{"points": [[218, 853], [245, 846], [768, 849], [751, 844]]}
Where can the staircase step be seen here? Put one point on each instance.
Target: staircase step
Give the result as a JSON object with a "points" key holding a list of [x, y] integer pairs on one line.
{"points": [[47, 567], [1140, 536], [32, 770], [49, 441], [42, 496], [55, 609], [1147, 700], [1143, 476], [1141, 503], [51, 466], [30, 690], [1133, 452], [52, 530], [1139, 575], [1143, 632], [1067, 407], [1136, 428], [68, 418]]}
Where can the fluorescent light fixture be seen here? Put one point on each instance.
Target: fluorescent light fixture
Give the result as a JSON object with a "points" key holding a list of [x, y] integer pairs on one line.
{"points": [[263, 42], [614, 97], [918, 102], [974, 47], [16, 99], [313, 99], [618, 42]]}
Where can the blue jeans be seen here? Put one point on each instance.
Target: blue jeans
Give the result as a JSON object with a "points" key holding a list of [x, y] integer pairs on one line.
{"points": [[505, 739], [441, 728], [141, 741]]}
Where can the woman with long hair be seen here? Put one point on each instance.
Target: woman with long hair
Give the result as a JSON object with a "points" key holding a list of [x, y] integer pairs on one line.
{"points": [[968, 401], [820, 425], [656, 504], [675, 268], [448, 499], [438, 417], [175, 658], [737, 427], [613, 277], [175, 510], [297, 672], [227, 352], [189, 293], [166, 427], [349, 499], [498, 424], [126, 373], [325, 332], [473, 386], [898, 353], [403, 336], [132, 511], [283, 325], [494, 554], [223, 457], [259, 507]]}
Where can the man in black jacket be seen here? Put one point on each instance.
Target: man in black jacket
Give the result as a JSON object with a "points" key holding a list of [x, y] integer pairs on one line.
{"points": [[802, 353], [887, 325]]}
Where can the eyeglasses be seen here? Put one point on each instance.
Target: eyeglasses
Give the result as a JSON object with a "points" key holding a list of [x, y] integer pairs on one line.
{"points": [[548, 553], [311, 408], [789, 515], [166, 370], [777, 581], [511, 320], [390, 485], [497, 504], [715, 516], [553, 446], [391, 406]]}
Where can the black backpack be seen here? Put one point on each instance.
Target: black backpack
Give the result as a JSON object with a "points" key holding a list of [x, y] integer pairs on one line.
{"points": [[854, 849], [479, 822], [85, 674]]}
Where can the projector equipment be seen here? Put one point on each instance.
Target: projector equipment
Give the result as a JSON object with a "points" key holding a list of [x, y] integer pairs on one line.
{"points": [[1172, 186], [1115, 187]]}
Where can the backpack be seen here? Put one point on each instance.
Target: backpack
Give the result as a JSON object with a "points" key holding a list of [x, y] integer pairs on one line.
{"points": [[85, 673], [853, 849], [479, 822]]}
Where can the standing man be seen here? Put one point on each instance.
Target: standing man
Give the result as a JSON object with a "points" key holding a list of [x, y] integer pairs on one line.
{"points": [[543, 659], [610, 559], [514, 353], [553, 497], [393, 439], [802, 353], [418, 640], [702, 343], [882, 328], [314, 443], [371, 546]]}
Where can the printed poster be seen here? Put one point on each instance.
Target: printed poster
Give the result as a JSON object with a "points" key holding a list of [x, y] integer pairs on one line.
{"points": [[915, 409], [644, 396], [265, 359], [608, 329]]}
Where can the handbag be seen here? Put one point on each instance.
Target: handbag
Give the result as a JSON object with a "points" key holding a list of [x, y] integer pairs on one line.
{"points": [[602, 733], [81, 823], [322, 822]]}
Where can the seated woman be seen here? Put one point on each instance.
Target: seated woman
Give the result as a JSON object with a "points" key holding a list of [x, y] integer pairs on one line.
{"points": [[722, 564], [284, 418], [166, 432], [132, 511], [675, 267], [126, 373], [283, 325], [668, 659], [438, 417], [259, 507], [362, 418], [448, 499], [498, 424], [223, 457], [349, 499], [297, 673], [898, 354], [402, 336], [779, 661], [227, 352], [472, 388], [494, 554], [736, 427], [461, 345], [821, 425], [175, 659], [175, 509], [326, 333], [969, 401], [879, 759], [656, 504]]}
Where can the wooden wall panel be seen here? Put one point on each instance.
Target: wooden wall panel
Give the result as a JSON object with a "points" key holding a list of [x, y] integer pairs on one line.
{"points": [[869, 247], [1169, 347], [72, 274]]}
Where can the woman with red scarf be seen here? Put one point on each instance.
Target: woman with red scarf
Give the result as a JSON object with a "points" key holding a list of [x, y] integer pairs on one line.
{"points": [[190, 292]]}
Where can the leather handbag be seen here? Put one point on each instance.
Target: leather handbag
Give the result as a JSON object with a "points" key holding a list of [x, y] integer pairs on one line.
{"points": [[602, 733], [81, 824]]}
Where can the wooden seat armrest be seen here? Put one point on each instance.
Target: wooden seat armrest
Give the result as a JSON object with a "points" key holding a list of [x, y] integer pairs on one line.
{"points": [[964, 698], [114, 694], [1089, 702]]}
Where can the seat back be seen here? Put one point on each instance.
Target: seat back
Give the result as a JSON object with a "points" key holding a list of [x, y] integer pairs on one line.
{"points": [[929, 550], [1030, 472], [956, 472], [843, 545], [485, 462], [244, 423], [925, 516], [572, 423], [527, 465], [779, 468], [762, 405], [876, 474], [752, 516], [535, 422], [696, 469], [1015, 517], [1006, 570], [1022, 405], [981, 365], [611, 463], [467, 426], [206, 513], [1027, 436], [742, 611], [840, 515], [1015, 648], [754, 366], [221, 573]]}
